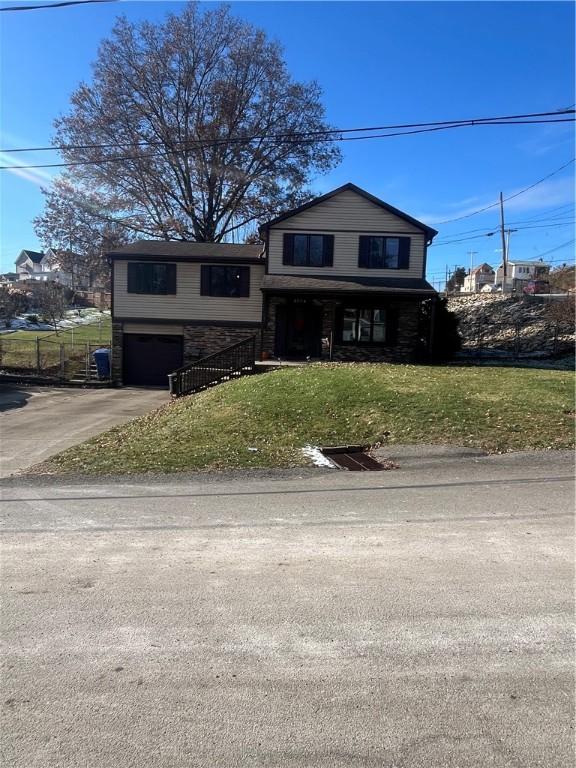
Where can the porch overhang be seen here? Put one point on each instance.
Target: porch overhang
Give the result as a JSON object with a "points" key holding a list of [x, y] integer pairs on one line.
{"points": [[345, 286]]}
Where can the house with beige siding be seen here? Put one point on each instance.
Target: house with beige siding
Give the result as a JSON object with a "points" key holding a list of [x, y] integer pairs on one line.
{"points": [[341, 277]]}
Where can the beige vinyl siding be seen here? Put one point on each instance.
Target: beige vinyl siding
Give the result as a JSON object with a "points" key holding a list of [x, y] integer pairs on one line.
{"points": [[347, 216], [346, 246], [187, 303], [155, 328]]}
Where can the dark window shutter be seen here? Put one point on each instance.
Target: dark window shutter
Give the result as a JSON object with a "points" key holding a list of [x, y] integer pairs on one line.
{"points": [[244, 281], [171, 278], [288, 253], [364, 252], [204, 280], [404, 253], [392, 326], [132, 278], [328, 259]]}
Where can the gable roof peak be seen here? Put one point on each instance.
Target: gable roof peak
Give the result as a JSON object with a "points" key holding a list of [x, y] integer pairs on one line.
{"points": [[349, 186]]}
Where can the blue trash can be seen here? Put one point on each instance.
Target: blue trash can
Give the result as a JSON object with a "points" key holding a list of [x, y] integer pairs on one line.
{"points": [[102, 360]]}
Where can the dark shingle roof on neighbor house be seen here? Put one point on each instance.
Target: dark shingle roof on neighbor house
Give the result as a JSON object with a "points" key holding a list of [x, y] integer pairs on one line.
{"points": [[292, 283], [186, 251], [32, 255]]}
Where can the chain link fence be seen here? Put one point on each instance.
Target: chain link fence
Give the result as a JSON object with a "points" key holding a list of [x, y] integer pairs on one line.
{"points": [[48, 358]]}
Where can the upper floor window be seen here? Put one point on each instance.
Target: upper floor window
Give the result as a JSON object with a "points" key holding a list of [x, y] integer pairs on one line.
{"points": [[379, 252], [146, 277], [224, 280], [308, 250]]}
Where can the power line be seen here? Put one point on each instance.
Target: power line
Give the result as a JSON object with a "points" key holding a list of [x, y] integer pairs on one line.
{"points": [[272, 137], [544, 221], [442, 124], [558, 247], [55, 5], [511, 197], [490, 234]]}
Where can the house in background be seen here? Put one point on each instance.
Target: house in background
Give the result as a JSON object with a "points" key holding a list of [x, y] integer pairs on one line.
{"points": [[8, 278], [46, 267], [42, 267], [341, 277], [519, 273], [478, 278]]}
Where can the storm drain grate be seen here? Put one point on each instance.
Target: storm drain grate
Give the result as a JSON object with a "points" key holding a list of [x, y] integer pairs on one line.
{"points": [[354, 460]]}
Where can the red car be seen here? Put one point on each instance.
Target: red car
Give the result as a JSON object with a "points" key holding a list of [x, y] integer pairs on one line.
{"points": [[537, 286]]}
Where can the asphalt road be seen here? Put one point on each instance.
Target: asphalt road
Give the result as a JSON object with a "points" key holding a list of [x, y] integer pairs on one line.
{"points": [[419, 617], [37, 422]]}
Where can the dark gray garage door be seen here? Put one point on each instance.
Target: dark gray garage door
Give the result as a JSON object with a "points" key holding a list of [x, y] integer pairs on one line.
{"points": [[149, 358]]}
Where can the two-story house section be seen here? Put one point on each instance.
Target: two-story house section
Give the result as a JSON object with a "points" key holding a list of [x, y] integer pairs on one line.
{"points": [[173, 302], [340, 278], [345, 277]]}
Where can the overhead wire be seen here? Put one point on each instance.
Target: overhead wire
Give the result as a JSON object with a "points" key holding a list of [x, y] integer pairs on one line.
{"points": [[441, 124], [54, 5], [282, 139], [510, 197]]}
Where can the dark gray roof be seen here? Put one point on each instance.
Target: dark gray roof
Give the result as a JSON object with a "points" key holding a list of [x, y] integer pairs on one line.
{"points": [[319, 284], [33, 256], [193, 251], [430, 231]]}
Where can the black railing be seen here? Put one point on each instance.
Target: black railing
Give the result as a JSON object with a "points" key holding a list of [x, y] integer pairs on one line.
{"points": [[232, 362]]}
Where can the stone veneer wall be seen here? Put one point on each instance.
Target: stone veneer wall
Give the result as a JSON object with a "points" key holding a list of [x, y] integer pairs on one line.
{"points": [[206, 338], [404, 350], [212, 338], [116, 364]]}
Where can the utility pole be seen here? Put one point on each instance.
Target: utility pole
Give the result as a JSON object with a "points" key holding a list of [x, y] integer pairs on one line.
{"points": [[508, 233], [504, 255], [471, 286]]}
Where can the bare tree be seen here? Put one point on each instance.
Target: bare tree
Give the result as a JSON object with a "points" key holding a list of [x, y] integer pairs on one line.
{"points": [[213, 134], [79, 227], [12, 303], [50, 301]]}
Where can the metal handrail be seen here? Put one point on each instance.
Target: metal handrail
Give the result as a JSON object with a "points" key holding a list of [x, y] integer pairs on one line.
{"points": [[237, 359], [213, 354]]}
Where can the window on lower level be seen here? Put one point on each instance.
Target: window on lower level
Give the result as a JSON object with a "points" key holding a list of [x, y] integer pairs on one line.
{"points": [[151, 278], [227, 281], [368, 325]]}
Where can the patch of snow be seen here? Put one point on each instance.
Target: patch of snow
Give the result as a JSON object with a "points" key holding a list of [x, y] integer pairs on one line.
{"points": [[317, 457], [73, 319]]}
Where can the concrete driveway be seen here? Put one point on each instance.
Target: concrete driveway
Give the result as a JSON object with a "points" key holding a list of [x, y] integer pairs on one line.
{"points": [[37, 422], [420, 618]]}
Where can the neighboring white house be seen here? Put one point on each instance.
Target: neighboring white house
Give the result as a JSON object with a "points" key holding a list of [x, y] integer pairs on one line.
{"points": [[45, 267], [519, 272], [8, 278], [478, 278]]}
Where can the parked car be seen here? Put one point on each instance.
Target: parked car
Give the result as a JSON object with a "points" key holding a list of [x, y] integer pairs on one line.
{"points": [[537, 286]]}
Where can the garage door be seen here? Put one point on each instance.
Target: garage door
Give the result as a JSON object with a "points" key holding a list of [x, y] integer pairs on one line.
{"points": [[149, 358]]}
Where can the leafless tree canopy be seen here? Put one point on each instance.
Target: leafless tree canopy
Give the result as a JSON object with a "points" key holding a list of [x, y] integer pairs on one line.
{"points": [[189, 89], [50, 301]]}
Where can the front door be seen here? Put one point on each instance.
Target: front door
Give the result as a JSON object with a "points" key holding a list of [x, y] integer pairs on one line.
{"points": [[303, 330]]}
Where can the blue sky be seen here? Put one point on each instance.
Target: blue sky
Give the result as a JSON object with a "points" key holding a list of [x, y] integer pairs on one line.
{"points": [[377, 63]]}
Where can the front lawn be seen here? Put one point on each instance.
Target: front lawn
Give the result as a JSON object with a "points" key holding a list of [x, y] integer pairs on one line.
{"points": [[497, 409]]}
